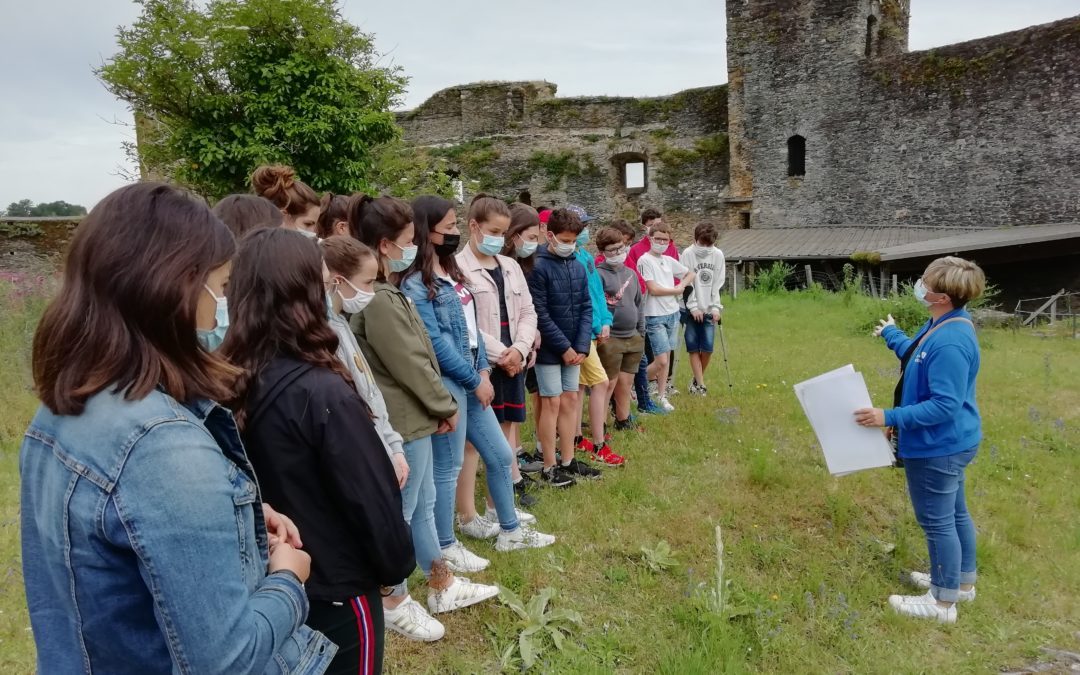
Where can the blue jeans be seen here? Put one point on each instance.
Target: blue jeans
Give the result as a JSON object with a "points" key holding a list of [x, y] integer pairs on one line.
{"points": [[936, 486], [477, 425], [418, 505], [663, 332], [698, 334]]}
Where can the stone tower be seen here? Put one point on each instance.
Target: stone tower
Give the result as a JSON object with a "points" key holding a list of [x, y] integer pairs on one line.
{"points": [[788, 60]]}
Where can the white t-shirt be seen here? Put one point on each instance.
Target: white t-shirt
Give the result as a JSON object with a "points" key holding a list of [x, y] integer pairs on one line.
{"points": [[662, 270]]}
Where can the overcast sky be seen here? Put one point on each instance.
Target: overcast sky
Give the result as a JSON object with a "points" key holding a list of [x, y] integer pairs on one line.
{"points": [[57, 140]]}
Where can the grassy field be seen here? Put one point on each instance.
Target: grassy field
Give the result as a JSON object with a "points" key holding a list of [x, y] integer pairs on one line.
{"points": [[809, 560]]}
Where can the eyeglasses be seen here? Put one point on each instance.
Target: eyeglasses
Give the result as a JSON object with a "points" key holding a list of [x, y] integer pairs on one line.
{"points": [[612, 252]]}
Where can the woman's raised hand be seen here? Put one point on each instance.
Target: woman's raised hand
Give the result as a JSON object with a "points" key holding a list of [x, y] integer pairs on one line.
{"points": [[884, 322]]}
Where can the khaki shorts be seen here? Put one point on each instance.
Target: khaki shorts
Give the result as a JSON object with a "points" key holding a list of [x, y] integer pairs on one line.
{"points": [[592, 371], [621, 355]]}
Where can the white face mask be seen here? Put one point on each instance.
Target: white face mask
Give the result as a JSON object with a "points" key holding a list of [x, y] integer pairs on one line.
{"points": [[616, 259], [560, 249], [358, 302], [702, 251], [658, 247], [308, 233]]}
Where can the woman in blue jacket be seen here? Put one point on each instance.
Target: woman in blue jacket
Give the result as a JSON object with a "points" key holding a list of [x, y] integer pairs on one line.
{"points": [[938, 427], [439, 290]]}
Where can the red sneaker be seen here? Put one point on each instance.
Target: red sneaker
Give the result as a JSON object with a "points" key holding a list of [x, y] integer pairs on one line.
{"points": [[606, 455], [585, 445]]}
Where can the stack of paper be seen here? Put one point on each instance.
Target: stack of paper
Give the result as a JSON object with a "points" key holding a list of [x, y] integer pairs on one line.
{"points": [[830, 402]]}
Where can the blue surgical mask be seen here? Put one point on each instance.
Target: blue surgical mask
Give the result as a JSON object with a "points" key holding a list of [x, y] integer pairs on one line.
{"points": [[212, 339], [329, 305], [920, 291], [491, 245], [583, 237], [526, 249], [408, 255]]}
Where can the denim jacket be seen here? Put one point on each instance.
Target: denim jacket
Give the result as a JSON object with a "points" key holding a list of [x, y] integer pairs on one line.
{"points": [[444, 319], [144, 548]]}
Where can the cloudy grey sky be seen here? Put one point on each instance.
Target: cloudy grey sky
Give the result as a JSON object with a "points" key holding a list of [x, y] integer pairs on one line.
{"points": [[57, 139]]}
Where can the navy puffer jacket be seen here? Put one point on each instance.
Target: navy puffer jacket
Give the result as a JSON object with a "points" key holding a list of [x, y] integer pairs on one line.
{"points": [[560, 292]]}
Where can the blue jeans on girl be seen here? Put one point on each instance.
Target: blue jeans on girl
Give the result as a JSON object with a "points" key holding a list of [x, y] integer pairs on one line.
{"points": [[418, 506], [477, 425], [936, 486]]}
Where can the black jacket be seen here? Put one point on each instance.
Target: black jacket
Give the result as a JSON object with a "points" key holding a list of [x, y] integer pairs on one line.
{"points": [[560, 292], [320, 461]]}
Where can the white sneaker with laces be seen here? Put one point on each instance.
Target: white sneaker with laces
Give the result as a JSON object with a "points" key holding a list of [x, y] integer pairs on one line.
{"points": [[461, 593], [922, 607], [524, 518], [478, 528], [666, 404], [460, 559], [412, 620], [922, 580], [522, 538]]}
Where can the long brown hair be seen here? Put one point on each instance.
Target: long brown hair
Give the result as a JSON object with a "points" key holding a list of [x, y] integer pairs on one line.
{"points": [[374, 219], [277, 305], [279, 184], [344, 255], [243, 213], [125, 314], [428, 211]]}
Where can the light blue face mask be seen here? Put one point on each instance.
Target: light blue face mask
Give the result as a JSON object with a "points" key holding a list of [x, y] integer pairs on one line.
{"points": [[526, 249], [408, 255], [583, 237], [212, 339], [491, 245], [329, 306], [919, 291]]}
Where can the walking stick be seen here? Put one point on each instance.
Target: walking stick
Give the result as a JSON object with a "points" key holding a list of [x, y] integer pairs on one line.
{"points": [[723, 349]]}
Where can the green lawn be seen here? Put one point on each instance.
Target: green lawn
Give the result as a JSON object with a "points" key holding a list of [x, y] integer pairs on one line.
{"points": [[809, 559]]}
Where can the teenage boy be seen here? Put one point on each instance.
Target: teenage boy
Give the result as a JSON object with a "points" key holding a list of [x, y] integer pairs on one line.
{"points": [[622, 353], [593, 376], [703, 307], [560, 292], [662, 306]]}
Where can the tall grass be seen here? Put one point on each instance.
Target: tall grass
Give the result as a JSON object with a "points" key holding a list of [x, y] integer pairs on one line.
{"points": [[808, 559]]}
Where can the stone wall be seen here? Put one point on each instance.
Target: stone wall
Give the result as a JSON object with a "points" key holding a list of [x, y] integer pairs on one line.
{"points": [[983, 133], [507, 137]]}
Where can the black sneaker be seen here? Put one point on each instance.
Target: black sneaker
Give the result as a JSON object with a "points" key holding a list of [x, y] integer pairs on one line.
{"points": [[530, 462], [557, 476], [628, 424], [582, 470], [522, 489]]}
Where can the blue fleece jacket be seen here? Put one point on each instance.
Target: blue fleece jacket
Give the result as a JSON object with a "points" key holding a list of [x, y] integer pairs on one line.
{"points": [[937, 414], [601, 315]]}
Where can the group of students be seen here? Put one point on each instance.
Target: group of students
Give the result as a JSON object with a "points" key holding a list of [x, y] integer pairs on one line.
{"points": [[349, 360]]}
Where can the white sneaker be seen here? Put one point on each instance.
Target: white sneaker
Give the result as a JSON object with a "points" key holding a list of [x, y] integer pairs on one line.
{"points": [[666, 404], [522, 538], [524, 518], [478, 528], [412, 620], [461, 593], [922, 580], [654, 389], [922, 607], [460, 559]]}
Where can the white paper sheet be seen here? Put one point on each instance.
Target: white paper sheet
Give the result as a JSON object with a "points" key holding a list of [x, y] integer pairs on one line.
{"points": [[830, 401]]}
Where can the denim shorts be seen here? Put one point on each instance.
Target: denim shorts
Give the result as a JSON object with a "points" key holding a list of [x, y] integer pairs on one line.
{"points": [[555, 378], [698, 334], [663, 332]]}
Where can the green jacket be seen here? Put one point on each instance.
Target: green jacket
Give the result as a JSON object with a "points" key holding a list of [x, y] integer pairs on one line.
{"points": [[398, 348]]}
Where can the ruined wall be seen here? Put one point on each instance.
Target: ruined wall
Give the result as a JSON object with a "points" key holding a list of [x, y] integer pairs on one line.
{"points": [[983, 133], [506, 137]]}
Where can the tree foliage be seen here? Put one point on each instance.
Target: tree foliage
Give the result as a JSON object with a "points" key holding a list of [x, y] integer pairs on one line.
{"points": [[221, 87], [27, 209]]}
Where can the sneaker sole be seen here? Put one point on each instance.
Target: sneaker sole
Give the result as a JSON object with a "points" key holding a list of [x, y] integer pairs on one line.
{"points": [[510, 549], [474, 601], [414, 637], [457, 569]]}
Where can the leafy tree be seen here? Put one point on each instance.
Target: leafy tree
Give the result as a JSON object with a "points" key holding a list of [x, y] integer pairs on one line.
{"points": [[20, 209], [59, 208], [221, 87], [405, 171]]}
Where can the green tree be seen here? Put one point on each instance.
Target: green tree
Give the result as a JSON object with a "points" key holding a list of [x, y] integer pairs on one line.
{"points": [[58, 208], [223, 87], [20, 209]]}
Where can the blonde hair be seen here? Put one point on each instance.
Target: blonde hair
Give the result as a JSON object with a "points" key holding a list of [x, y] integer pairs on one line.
{"points": [[962, 280]]}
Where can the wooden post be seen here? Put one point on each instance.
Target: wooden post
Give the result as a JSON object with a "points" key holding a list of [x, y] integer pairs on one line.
{"points": [[895, 287], [734, 281], [809, 276], [884, 278], [1053, 299], [870, 278]]}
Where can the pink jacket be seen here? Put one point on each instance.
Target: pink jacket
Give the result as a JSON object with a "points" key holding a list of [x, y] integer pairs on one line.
{"points": [[519, 304]]}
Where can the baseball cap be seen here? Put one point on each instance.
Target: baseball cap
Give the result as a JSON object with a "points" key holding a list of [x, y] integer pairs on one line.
{"points": [[579, 212], [545, 216]]}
